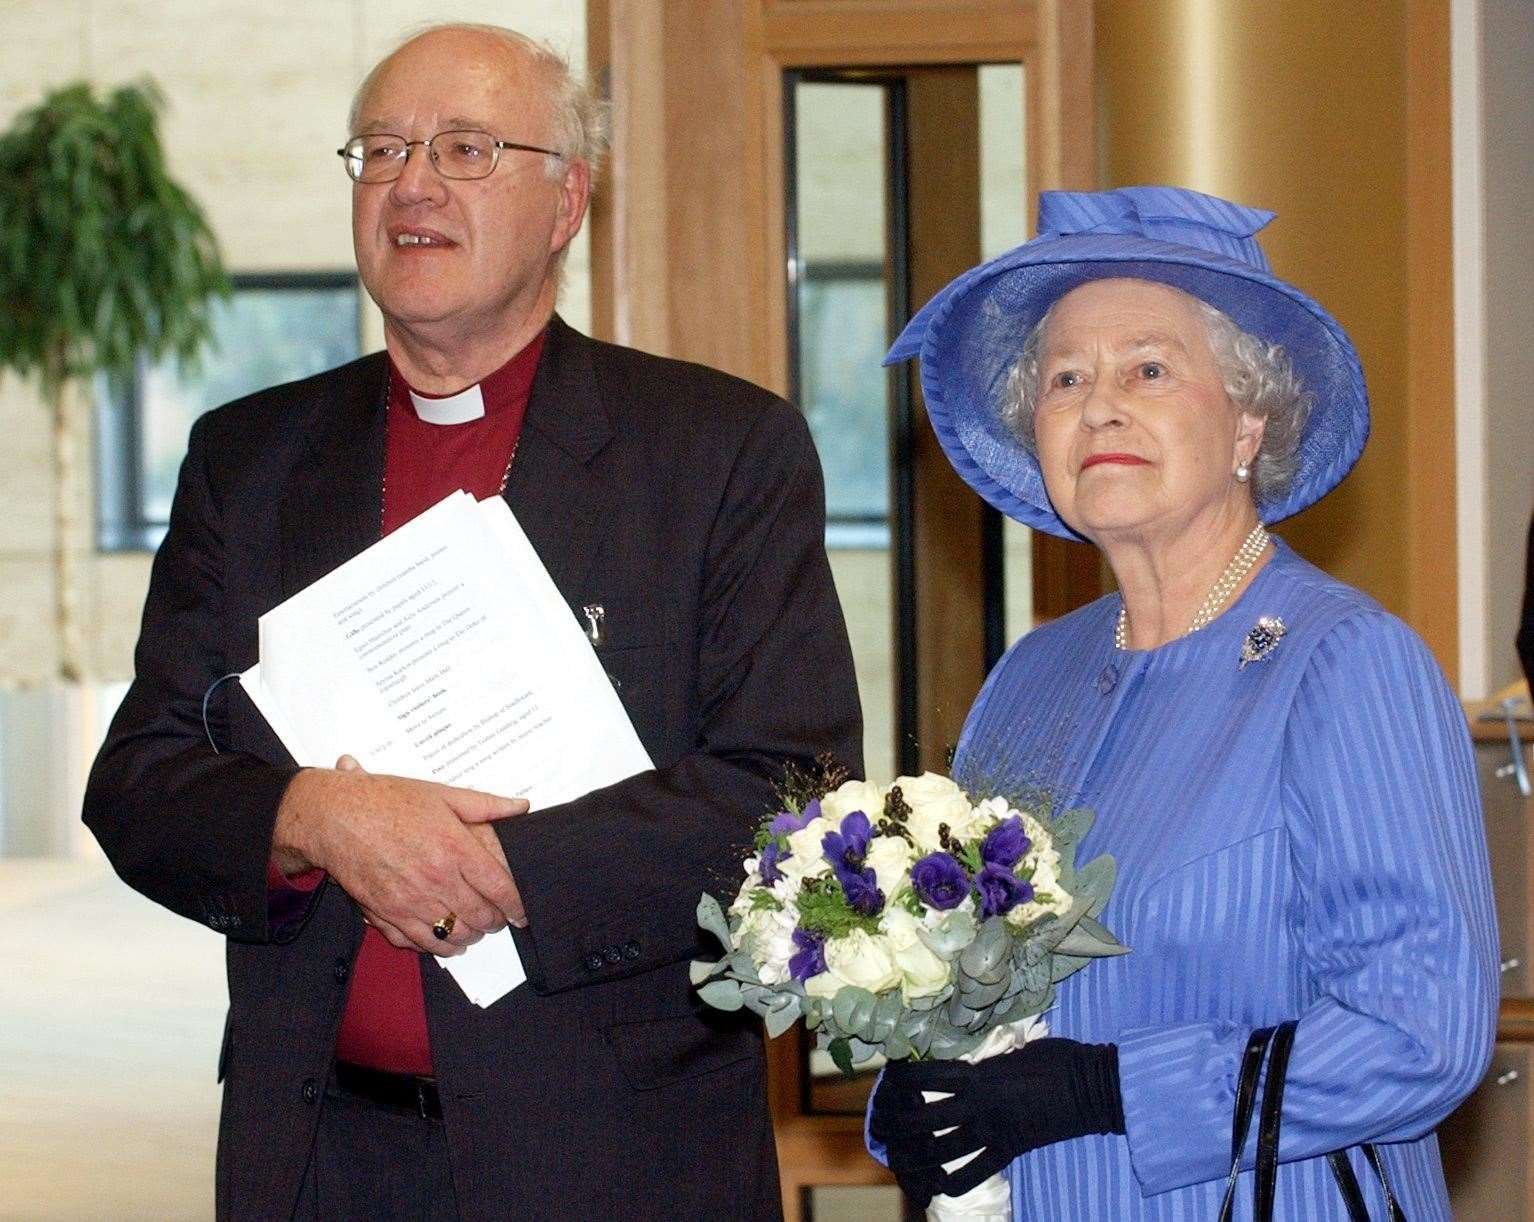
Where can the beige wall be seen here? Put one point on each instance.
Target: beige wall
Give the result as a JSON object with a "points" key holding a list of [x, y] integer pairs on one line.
{"points": [[256, 102], [1326, 114], [1507, 99]]}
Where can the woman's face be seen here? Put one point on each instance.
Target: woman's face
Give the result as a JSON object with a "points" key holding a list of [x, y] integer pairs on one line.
{"points": [[1135, 433]]}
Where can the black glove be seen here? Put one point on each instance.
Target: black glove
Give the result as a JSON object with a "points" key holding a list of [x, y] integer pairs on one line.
{"points": [[1049, 1090]]}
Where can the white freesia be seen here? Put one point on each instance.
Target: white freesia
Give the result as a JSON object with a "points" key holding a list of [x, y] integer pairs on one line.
{"points": [[992, 811], [922, 973], [850, 796], [935, 800], [807, 859], [862, 959], [768, 936], [890, 859], [1048, 896]]}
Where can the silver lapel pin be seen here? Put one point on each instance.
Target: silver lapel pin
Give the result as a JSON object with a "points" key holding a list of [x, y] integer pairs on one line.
{"points": [[596, 622]]}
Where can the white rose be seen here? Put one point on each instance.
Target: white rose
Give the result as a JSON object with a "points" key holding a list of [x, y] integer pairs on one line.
{"points": [[863, 960], [921, 972], [824, 984], [890, 859], [850, 796], [935, 800], [807, 858]]}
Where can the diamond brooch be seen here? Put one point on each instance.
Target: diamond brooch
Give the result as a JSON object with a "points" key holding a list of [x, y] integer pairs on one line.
{"points": [[1262, 640]]}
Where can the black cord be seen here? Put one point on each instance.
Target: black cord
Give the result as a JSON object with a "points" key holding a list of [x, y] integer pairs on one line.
{"points": [[208, 695]]}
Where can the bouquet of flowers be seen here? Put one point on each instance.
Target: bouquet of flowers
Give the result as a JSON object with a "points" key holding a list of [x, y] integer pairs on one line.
{"points": [[909, 920]]}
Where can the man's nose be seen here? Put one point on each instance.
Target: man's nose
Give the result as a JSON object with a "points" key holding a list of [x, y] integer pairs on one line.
{"points": [[418, 179]]}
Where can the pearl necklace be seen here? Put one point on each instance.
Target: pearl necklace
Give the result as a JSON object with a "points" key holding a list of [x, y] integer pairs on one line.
{"points": [[1240, 565]]}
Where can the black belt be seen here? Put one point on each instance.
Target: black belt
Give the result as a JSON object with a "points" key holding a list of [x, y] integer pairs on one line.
{"points": [[401, 1091]]}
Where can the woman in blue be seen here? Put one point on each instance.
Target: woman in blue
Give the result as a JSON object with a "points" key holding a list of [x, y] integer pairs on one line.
{"points": [[1275, 762]]}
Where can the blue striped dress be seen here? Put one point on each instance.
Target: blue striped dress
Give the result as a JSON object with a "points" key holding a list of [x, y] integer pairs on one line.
{"points": [[1298, 838]]}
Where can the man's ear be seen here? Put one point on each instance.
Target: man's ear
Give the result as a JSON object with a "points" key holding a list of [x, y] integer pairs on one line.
{"points": [[574, 198]]}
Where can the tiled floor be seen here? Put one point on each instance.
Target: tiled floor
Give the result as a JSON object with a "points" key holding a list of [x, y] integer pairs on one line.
{"points": [[110, 1014]]}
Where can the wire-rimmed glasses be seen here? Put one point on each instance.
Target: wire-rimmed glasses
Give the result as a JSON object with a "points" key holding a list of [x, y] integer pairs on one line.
{"points": [[460, 153]]}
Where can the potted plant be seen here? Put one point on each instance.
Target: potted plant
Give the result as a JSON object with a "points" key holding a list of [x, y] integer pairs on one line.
{"points": [[103, 257]]}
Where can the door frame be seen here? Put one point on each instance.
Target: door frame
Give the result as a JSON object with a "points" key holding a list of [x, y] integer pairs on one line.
{"points": [[689, 248]]}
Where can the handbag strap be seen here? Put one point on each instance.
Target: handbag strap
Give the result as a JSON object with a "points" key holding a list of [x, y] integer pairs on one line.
{"points": [[1280, 1046], [1342, 1170], [1271, 1121], [1246, 1099]]}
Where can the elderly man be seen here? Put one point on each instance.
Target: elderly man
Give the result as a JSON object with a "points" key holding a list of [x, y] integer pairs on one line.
{"points": [[677, 509]]}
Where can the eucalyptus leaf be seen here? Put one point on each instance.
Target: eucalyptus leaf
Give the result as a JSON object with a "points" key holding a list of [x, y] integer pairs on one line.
{"points": [[698, 971], [978, 994], [781, 1019], [1095, 881], [722, 994], [852, 1007], [841, 1056], [1091, 941], [989, 950], [711, 918]]}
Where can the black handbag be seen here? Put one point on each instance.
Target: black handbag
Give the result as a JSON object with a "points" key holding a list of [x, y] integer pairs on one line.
{"points": [[1274, 1045]]}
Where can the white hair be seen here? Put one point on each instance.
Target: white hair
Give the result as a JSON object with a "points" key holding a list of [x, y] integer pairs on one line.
{"points": [[579, 116], [1259, 380]]}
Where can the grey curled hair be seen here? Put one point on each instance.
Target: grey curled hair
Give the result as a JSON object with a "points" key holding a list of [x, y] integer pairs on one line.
{"points": [[1259, 379]]}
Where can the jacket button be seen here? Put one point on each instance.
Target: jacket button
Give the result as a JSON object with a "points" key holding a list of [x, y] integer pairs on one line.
{"points": [[612, 954], [1108, 679], [311, 1091], [631, 950], [592, 962], [340, 971]]}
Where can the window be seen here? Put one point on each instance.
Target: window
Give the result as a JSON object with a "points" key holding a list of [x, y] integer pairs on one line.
{"points": [[272, 329], [843, 335]]}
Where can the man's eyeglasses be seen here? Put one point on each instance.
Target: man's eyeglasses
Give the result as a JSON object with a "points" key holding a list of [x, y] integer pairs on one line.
{"points": [[456, 154]]}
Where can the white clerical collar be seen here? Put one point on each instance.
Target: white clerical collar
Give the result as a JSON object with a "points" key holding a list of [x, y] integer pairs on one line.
{"points": [[461, 408]]}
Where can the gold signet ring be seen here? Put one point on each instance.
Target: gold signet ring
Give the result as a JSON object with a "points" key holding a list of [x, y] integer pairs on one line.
{"points": [[444, 926]]}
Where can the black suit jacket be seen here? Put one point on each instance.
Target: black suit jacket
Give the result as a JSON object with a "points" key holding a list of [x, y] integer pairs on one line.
{"points": [[690, 505]]}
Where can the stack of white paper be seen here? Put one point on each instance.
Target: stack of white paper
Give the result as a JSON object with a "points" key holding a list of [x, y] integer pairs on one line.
{"points": [[445, 652]]}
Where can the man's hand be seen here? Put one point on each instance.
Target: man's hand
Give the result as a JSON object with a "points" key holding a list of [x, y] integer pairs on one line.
{"points": [[409, 852]]}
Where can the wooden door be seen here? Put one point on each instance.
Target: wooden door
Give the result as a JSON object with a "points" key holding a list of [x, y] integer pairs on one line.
{"points": [[694, 256]]}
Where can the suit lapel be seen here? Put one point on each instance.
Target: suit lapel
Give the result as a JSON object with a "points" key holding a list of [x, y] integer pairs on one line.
{"points": [[333, 505], [561, 503]]}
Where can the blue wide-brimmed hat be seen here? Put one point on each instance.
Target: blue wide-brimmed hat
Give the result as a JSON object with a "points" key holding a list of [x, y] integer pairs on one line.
{"points": [[971, 334]]}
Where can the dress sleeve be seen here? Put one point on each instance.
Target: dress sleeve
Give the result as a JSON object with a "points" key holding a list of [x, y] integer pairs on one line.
{"points": [[1393, 921]]}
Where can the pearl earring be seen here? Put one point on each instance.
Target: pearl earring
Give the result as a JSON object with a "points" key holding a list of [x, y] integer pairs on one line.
{"points": [[1243, 473]]}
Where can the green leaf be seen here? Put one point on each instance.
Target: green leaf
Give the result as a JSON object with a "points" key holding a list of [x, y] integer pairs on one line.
{"points": [[841, 1056], [1090, 940], [852, 1007], [781, 1018], [105, 256], [711, 919], [722, 995], [698, 971]]}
